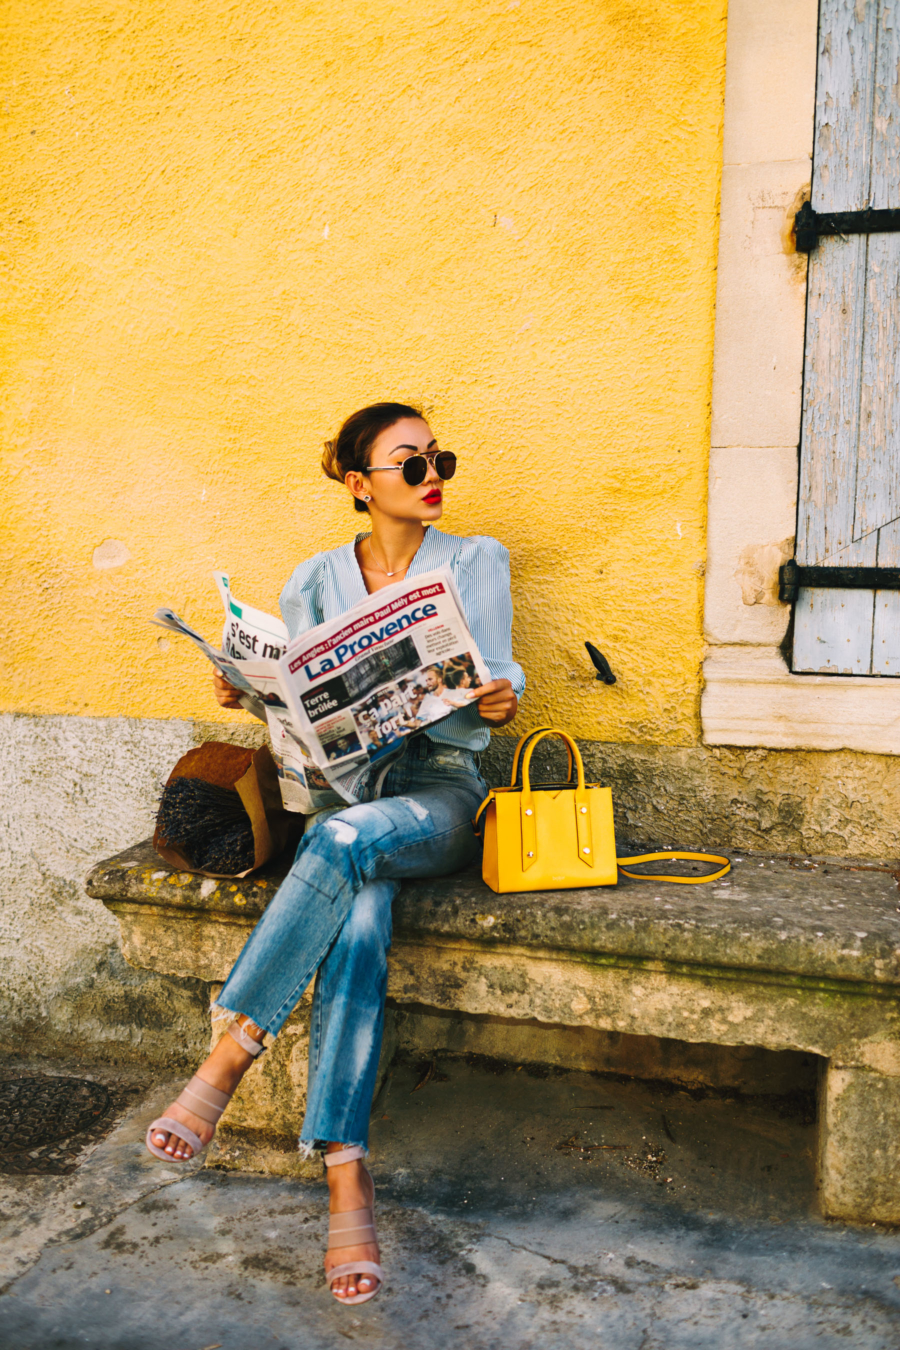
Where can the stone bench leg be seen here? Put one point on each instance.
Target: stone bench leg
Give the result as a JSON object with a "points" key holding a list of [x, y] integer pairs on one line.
{"points": [[261, 1126], [859, 1143]]}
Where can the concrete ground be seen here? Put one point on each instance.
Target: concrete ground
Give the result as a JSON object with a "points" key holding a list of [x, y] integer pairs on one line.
{"points": [[697, 1229]]}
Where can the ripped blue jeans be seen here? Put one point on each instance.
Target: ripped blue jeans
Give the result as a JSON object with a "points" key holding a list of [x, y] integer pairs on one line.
{"points": [[332, 917]]}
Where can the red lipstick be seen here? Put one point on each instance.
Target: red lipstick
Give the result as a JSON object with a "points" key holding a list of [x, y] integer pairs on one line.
{"points": [[434, 496]]}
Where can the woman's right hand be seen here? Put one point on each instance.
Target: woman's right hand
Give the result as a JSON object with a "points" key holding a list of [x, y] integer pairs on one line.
{"points": [[226, 694]]}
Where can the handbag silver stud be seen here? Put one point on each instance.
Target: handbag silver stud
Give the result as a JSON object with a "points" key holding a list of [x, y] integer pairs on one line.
{"points": [[583, 810], [530, 855], [528, 811], [585, 850]]}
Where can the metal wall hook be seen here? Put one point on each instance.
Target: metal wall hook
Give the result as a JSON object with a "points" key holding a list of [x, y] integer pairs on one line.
{"points": [[604, 671]]}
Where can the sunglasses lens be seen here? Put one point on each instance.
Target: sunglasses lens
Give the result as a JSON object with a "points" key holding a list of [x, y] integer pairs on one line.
{"points": [[414, 469], [445, 464]]}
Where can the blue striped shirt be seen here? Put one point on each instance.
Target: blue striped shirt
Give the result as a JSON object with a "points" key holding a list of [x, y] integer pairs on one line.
{"points": [[328, 584]]}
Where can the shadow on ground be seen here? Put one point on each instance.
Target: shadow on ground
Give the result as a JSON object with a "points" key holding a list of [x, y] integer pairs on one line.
{"points": [[517, 1208]]}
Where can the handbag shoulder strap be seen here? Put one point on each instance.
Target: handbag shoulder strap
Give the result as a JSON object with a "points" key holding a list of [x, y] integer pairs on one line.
{"points": [[494, 792], [716, 859], [481, 810]]}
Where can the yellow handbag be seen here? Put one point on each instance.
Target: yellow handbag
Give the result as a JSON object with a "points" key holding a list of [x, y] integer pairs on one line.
{"points": [[559, 836]]}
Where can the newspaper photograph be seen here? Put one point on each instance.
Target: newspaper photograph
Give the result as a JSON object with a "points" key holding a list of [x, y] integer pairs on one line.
{"points": [[396, 663], [341, 698]]}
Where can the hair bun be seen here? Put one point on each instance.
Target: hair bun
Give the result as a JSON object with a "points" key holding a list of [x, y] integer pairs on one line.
{"points": [[349, 451]]}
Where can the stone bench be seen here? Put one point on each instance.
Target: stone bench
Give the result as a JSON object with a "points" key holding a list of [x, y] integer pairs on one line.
{"points": [[777, 955]]}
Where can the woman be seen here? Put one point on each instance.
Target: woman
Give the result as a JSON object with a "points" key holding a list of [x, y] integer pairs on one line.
{"points": [[332, 915]]}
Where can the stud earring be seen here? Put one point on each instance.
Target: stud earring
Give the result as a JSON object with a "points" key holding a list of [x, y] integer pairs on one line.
{"points": [[367, 498]]}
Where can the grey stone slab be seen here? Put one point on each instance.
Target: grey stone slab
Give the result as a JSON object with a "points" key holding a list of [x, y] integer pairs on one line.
{"points": [[834, 920], [39, 1210], [493, 1237]]}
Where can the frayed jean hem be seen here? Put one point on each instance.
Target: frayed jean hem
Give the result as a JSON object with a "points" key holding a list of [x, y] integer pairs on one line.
{"points": [[309, 1150], [220, 1014]]}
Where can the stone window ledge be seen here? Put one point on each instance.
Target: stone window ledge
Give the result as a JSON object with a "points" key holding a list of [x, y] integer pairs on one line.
{"points": [[751, 698]]}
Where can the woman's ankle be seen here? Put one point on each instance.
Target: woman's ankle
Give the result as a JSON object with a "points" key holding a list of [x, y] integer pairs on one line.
{"points": [[258, 1033], [226, 1064]]}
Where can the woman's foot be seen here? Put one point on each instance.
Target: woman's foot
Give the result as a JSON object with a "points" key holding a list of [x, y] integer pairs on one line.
{"points": [[223, 1069], [350, 1187]]}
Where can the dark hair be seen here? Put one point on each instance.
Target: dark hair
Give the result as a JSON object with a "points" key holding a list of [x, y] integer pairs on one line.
{"points": [[455, 674], [349, 451]]}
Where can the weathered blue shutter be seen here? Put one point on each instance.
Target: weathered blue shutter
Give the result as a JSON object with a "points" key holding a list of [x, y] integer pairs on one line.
{"points": [[849, 508]]}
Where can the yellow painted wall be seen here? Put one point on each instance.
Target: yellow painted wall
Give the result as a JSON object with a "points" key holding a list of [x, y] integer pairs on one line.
{"points": [[228, 226]]}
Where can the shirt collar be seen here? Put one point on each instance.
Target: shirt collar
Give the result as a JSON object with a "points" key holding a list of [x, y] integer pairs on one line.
{"points": [[430, 552]]}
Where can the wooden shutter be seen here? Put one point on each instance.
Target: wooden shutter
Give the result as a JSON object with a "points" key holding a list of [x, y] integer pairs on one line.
{"points": [[849, 506]]}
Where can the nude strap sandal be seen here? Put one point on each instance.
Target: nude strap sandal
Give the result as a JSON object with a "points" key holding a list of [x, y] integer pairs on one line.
{"points": [[203, 1100], [352, 1229]]}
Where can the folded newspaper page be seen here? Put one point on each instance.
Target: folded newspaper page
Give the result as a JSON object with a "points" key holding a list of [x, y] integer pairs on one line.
{"points": [[247, 631], [252, 634], [341, 699]]}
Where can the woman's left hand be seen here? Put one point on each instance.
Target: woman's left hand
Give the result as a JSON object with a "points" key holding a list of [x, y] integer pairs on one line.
{"points": [[497, 703]]}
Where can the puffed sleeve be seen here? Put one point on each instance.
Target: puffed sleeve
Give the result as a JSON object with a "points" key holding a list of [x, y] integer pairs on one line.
{"points": [[300, 600], [482, 579]]}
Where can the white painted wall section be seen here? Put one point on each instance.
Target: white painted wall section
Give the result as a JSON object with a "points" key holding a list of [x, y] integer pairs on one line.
{"points": [[751, 698]]}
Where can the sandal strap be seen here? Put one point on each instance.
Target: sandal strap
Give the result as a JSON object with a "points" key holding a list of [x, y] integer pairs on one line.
{"points": [[344, 1155], [351, 1229], [354, 1267], [204, 1100], [180, 1131], [244, 1040]]}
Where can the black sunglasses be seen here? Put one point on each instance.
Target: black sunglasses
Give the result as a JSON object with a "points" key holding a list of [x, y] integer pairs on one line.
{"points": [[415, 467]]}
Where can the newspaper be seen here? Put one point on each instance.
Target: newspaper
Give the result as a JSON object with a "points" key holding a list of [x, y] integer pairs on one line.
{"points": [[247, 630], [250, 635], [342, 698]]}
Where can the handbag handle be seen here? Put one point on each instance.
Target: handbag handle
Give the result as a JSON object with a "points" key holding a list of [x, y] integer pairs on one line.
{"points": [[481, 810], [529, 844], [584, 842], [575, 759], [523, 741]]}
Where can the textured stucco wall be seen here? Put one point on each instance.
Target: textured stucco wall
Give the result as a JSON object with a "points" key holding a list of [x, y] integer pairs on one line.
{"points": [[70, 788], [226, 228], [229, 226], [801, 802]]}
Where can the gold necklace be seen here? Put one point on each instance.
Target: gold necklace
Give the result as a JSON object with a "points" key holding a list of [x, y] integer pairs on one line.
{"points": [[383, 570]]}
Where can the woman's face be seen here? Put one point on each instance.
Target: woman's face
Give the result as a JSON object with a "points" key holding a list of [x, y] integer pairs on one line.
{"points": [[390, 493]]}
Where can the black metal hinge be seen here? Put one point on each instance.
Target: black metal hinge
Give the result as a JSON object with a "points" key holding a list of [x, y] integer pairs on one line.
{"points": [[791, 576], [810, 224]]}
